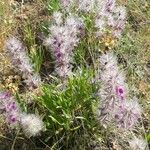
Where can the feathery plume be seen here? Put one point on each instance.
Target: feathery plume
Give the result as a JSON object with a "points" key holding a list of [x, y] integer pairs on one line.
{"points": [[109, 16], [114, 108], [62, 41], [57, 18], [20, 60], [31, 124], [128, 114], [137, 144]]}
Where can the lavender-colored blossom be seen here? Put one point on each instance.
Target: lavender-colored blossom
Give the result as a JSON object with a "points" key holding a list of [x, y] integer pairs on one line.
{"points": [[128, 114], [31, 124], [110, 16], [109, 78], [66, 4], [114, 107], [109, 5], [62, 41], [117, 21], [105, 7], [16, 52], [86, 5], [120, 90], [9, 108], [19, 59], [111, 73]]}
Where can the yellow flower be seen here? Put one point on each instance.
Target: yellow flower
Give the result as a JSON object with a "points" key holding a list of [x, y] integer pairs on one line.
{"points": [[11, 82], [109, 42]]}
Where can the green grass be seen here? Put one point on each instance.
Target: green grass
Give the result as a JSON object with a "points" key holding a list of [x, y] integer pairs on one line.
{"points": [[69, 108], [35, 50]]}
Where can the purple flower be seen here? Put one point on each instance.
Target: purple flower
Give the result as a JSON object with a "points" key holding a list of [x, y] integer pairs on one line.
{"points": [[128, 114], [109, 5], [10, 108], [110, 17], [66, 4], [120, 91], [114, 107], [12, 119]]}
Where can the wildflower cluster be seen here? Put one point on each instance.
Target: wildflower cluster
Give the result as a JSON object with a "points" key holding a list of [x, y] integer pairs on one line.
{"points": [[30, 123], [21, 62], [113, 92], [81, 5], [108, 15], [64, 37], [65, 32], [68, 105]]}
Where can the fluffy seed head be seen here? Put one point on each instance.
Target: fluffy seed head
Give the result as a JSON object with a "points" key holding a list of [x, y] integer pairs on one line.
{"points": [[31, 124], [138, 144], [114, 107]]}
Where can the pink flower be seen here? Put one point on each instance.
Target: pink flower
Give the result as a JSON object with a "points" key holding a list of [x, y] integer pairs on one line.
{"points": [[120, 91]]}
